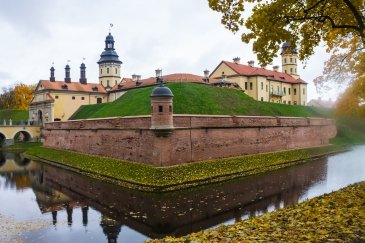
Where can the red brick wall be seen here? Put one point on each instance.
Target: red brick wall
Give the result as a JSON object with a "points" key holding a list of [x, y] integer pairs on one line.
{"points": [[194, 137]]}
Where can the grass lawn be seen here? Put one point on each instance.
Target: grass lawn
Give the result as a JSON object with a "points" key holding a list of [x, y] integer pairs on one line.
{"points": [[15, 115], [190, 98], [149, 178], [335, 217]]}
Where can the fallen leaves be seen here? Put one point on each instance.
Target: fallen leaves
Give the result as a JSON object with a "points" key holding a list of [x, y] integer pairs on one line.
{"points": [[335, 217]]}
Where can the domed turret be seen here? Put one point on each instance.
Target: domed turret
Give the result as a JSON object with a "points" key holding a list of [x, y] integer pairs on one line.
{"points": [[109, 64], [289, 59], [162, 114]]}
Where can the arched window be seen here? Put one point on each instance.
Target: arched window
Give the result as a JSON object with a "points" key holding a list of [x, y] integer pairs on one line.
{"points": [[291, 70], [116, 71], [107, 70], [101, 71], [295, 91], [99, 100], [291, 60]]}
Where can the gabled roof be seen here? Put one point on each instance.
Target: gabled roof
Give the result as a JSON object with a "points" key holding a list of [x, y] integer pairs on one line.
{"points": [[73, 86], [128, 83], [246, 70]]}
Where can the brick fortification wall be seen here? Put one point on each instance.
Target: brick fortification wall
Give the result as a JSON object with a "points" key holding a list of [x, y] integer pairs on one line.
{"points": [[193, 138]]}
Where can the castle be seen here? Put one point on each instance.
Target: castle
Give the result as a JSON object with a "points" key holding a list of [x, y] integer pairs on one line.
{"points": [[58, 100]]}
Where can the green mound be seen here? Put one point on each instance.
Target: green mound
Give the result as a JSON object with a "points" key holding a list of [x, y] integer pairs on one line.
{"points": [[190, 98], [15, 115]]}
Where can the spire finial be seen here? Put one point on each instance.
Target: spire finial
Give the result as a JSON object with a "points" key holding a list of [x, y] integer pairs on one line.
{"points": [[110, 27], [83, 59]]}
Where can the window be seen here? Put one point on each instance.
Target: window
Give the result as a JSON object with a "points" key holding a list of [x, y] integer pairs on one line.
{"points": [[116, 82], [73, 97], [284, 60], [284, 102], [291, 70], [160, 108], [251, 85], [291, 60], [295, 70], [107, 83], [57, 119], [101, 71], [82, 98], [285, 71], [295, 91], [289, 102], [295, 102], [262, 98], [56, 97], [107, 70], [246, 86], [262, 86], [284, 91], [278, 89], [266, 87], [304, 91], [170, 108], [289, 90], [99, 100]]}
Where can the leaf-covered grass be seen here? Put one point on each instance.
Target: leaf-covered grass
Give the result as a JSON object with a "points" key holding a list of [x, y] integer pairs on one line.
{"points": [[335, 217], [191, 98], [146, 177], [15, 115]]}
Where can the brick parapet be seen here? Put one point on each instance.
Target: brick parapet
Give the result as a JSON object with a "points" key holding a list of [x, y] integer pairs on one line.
{"points": [[194, 137]]}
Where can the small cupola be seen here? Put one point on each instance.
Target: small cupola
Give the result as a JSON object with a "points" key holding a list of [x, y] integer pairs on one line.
{"points": [[109, 42], [83, 79], [52, 77], [67, 74], [162, 110]]}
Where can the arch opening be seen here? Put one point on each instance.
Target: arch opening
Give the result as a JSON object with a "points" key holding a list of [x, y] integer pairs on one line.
{"points": [[22, 136], [2, 139]]}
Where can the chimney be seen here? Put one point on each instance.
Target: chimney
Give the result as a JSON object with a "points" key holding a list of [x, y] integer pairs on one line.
{"points": [[52, 78], [206, 76], [134, 77], [237, 60], [83, 79], [251, 63], [67, 74], [276, 68]]}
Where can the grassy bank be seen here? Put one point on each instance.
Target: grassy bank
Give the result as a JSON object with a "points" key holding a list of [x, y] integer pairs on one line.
{"points": [[145, 177], [350, 130], [335, 217], [206, 100], [21, 146]]}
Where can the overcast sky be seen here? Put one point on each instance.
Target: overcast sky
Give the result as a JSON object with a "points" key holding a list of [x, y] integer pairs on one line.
{"points": [[175, 35]]}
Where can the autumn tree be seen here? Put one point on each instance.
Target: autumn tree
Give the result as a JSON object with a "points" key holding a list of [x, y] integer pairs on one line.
{"points": [[7, 100], [340, 24], [23, 95]]}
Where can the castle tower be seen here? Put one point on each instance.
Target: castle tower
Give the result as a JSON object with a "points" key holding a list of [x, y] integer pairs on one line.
{"points": [[289, 58], [109, 65], [161, 104]]}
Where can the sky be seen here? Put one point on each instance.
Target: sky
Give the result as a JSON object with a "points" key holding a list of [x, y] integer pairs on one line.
{"points": [[178, 36]]}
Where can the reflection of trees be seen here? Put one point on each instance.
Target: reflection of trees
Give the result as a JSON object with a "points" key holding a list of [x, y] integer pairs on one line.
{"points": [[2, 160]]}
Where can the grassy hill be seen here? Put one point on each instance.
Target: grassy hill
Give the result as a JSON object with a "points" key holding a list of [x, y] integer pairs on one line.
{"points": [[190, 98], [350, 130], [15, 115]]}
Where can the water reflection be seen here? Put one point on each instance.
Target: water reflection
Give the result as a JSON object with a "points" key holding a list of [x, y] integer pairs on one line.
{"points": [[156, 215]]}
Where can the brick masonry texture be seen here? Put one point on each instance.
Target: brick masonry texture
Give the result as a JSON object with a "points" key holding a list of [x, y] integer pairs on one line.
{"points": [[193, 138]]}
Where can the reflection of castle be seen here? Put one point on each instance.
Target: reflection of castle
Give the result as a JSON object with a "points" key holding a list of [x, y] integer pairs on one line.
{"points": [[179, 213]]}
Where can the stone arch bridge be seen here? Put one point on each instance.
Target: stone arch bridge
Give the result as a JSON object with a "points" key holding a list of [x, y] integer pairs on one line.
{"points": [[11, 133]]}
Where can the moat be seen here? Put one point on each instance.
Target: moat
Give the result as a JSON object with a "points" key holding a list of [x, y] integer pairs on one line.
{"points": [[60, 206]]}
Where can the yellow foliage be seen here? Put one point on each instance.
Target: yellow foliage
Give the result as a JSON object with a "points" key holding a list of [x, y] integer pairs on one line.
{"points": [[22, 96]]}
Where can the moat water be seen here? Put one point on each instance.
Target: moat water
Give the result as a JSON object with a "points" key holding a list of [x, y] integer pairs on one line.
{"points": [[40, 203]]}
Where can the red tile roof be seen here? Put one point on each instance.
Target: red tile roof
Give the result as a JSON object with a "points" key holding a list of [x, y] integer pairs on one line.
{"points": [[128, 83], [246, 70], [73, 86]]}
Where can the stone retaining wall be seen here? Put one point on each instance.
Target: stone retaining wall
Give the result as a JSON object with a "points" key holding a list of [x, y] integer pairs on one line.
{"points": [[195, 137]]}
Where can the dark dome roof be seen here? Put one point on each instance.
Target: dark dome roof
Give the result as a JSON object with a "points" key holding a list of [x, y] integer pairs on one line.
{"points": [[109, 56], [288, 46], [109, 37], [162, 91]]}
